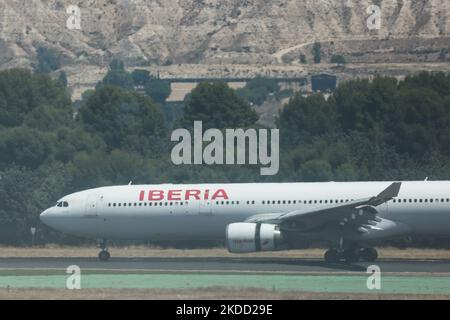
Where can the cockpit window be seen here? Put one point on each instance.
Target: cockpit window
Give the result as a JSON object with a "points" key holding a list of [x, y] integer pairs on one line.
{"points": [[62, 204]]}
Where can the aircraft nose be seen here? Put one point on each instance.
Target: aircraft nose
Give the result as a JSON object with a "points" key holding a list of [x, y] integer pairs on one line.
{"points": [[45, 216]]}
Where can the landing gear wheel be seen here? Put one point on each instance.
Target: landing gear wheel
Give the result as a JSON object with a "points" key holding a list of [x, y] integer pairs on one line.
{"points": [[104, 255], [351, 256], [332, 256], [369, 254]]}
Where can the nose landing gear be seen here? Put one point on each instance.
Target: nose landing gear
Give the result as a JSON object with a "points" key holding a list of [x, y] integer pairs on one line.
{"points": [[104, 254]]}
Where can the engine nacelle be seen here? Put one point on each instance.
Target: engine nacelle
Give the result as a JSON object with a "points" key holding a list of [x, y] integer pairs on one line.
{"points": [[244, 237]]}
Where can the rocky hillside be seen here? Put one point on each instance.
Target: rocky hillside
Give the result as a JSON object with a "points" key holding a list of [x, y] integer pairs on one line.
{"points": [[256, 33]]}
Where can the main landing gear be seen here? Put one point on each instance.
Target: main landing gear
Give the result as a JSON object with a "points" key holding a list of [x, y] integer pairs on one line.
{"points": [[104, 254], [351, 255]]}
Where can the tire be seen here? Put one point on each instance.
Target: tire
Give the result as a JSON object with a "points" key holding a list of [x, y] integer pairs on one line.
{"points": [[369, 254], [104, 256], [332, 256]]}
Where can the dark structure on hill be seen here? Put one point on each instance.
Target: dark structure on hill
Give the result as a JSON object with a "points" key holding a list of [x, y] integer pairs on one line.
{"points": [[323, 82]]}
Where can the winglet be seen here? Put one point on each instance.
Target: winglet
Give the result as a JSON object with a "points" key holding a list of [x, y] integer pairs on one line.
{"points": [[391, 191]]}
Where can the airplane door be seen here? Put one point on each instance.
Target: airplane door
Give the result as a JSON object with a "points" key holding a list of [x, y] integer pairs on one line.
{"points": [[205, 207]]}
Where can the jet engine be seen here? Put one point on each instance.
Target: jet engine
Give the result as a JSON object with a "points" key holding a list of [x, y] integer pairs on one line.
{"points": [[244, 237]]}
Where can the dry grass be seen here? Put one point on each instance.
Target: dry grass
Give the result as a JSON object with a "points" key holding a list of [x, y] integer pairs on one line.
{"points": [[197, 294], [145, 251]]}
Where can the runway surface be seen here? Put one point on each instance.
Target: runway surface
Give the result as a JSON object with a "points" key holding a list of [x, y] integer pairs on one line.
{"points": [[226, 264]]}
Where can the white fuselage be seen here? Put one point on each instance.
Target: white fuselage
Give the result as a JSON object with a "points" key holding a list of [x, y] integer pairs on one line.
{"points": [[202, 211]]}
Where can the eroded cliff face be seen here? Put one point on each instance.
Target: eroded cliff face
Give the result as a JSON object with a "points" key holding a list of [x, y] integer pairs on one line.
{"points": [[221, 38], [208, 32]]}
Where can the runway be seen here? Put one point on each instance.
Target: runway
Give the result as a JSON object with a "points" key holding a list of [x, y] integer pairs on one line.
{"points": [[405, 277], [226, 265]]}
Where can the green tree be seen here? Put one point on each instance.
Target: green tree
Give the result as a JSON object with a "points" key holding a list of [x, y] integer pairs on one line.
{"points": [[125, 120], [303, 118], [63, 78], [140, 77], [158, 89], [47, 60], [303, 58], [118, 76], [316, 52], [21, 92], [338, 59], [23, 146], [218, 106], [258, 89]]}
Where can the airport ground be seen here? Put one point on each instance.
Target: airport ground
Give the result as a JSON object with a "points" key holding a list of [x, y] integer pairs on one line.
{"points": [[142, 272]]}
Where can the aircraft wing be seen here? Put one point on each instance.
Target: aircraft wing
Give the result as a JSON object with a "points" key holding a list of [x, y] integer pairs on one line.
{"points": [[357, 214]]}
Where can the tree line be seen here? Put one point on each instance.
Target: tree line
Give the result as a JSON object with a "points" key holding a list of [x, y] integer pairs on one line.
{"points": [[367, 130]]}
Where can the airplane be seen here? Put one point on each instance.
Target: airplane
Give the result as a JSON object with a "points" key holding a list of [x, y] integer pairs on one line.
{"points": [[345, 216]]}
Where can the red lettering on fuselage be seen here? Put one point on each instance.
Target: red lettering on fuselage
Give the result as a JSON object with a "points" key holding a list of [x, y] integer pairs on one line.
{"points": [[194, 193], [155, 195], [178, 194], [220, 193], [174, 195]]}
